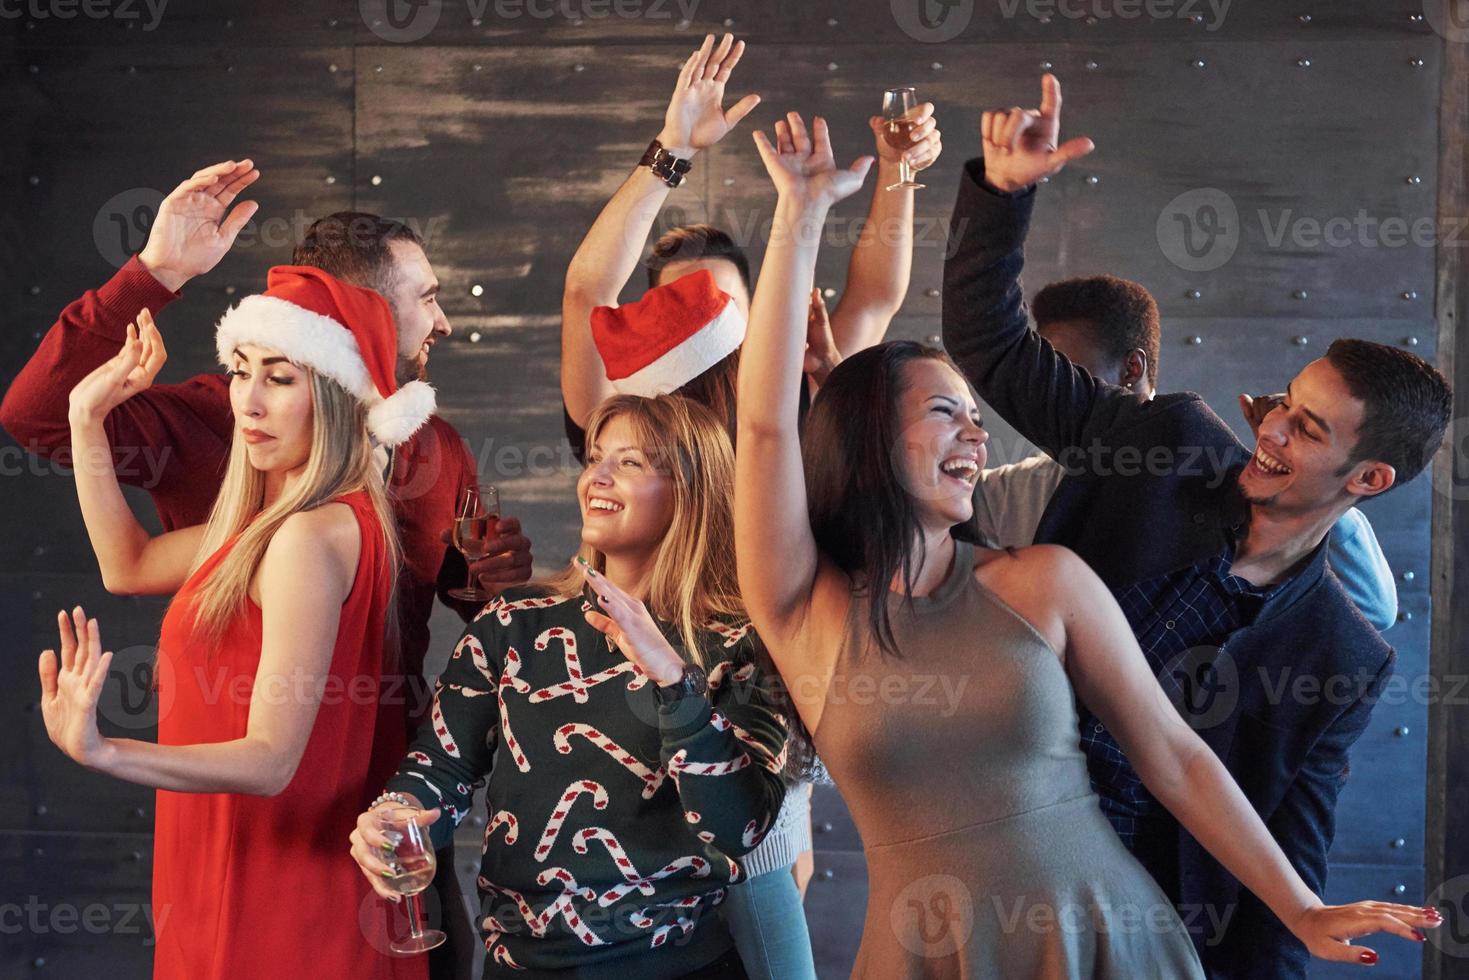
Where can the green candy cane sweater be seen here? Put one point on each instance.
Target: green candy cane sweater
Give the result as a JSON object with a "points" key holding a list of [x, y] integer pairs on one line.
{"points": [[612, 822]]}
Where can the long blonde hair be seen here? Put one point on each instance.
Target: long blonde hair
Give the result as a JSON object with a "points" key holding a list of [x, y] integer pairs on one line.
{"points": [[693, 578], [341, 461]]}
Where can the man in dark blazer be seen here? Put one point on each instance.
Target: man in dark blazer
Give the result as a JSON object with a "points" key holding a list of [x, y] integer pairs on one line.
{"points": [[1217, 554]]}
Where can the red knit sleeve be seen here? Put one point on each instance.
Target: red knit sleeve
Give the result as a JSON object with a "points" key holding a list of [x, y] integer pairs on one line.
{"points": [[171, 440]]}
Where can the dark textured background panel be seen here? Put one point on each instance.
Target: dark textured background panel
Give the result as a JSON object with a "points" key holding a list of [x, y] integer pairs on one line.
{"points": [[500, 140]]}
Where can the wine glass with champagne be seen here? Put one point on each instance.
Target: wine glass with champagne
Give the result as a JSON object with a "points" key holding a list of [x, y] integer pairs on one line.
{"points": [[476, 522], [899, 109], [411, 861]]}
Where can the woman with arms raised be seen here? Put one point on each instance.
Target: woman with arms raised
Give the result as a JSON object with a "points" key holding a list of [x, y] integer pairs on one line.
{"points": [[272, 732], [988, 855]]}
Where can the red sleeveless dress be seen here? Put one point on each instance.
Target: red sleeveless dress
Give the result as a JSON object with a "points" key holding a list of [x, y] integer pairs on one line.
{"points": [[250, 886]]}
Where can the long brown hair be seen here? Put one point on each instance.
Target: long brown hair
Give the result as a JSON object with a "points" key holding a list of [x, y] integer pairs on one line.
{"points": [[861, 513]]}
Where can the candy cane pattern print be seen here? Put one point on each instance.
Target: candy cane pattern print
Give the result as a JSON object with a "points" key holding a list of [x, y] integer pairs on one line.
{"points": [[616, 893], [422, 759], [731, 634], [772, 763], [503, 610], [441, 728], [499, 953], [652, 779], [563, 806], [511, 679], [470, 643], [679, 764], [741, 674], [579, 689], [562, 905], [506, 819]]}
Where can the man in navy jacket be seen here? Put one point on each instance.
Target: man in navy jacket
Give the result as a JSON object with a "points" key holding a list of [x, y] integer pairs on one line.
{"points": [[1216, 554]]}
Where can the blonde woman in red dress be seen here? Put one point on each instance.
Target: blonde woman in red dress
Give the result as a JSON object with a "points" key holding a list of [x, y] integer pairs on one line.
{"points": [[272, 731]]}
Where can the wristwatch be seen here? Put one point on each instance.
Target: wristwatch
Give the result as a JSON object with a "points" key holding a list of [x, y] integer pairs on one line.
{"points": [[664, 164], [693, 683]]}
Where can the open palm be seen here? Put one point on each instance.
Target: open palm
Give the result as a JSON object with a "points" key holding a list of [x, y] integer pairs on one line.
{"points": [[802, 167], [72, 685], [696, 117], [194, 227]]}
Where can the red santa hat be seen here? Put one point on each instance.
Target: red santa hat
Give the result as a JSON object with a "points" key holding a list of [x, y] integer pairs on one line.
{"points": [[668, 338], [342, 331]]}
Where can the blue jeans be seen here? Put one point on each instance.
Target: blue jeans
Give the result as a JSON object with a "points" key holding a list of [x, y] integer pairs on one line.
{"points": [[769, 926]]}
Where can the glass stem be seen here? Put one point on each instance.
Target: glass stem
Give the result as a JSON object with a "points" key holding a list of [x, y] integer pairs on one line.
{"points": [[905, 172], [413, 929]]}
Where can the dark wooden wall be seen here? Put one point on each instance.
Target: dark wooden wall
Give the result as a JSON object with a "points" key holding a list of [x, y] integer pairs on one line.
{"points": [[500, 133]]}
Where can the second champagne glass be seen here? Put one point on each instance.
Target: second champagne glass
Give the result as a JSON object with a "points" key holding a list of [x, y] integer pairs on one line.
{"points": [[412, 863], [476, 521], [899, 106]]}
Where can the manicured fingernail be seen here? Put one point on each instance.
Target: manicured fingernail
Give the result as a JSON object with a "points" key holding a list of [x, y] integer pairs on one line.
{"points": [[1420, 935], [1368, 957], [581, 560]]}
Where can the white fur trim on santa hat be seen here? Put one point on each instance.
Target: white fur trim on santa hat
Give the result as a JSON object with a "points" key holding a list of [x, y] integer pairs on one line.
{"points": [[715, 341], [304, 336], [393, 419]]}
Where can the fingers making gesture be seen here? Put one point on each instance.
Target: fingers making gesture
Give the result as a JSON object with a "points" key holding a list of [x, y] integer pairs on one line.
{"points": [[628, 624], [801, 164], [1020, 145]]}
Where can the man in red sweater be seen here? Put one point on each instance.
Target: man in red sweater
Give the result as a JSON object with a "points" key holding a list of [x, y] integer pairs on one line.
{"points": [[174, 440]]}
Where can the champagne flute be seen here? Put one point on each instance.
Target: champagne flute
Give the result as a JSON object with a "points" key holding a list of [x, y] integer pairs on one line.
{"points": [[411, 859], [476, 521], [899, 106]]}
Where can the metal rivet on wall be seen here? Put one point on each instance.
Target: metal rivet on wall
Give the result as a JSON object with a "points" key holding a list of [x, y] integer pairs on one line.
{"points": [[1304, 18], [1046, 66], [476, 22], [729, 182], [39, 550], [1192, 294], [1400, 842], [479, 820], [1410, 341], [376, 181], [931, 293], [41, 810], [729, 22], [1415, 18], [1409, 294], [1404, 616], [933, 340], [40, 961], [1415, 179], [476, 290], [578, 67], [1196, 18], [1303, 62], [828, 292], [1408, 576], [1194, 341], [332, 68], [1400, 731], [1093, 179], [331, 22], [1399, 889], [229, 290], [35, 69], [1044, 19], [1416, 62], [478, 67], [831, 66], [1045, 180], [1300, 341], [1299, 294], [33, 180], [377, 68], [831, 22], [132, 69], [35, 290], [1092, 66], [828, 874], [937, 66], [826, 827], [474, 336], [330, 179], [1197, 62]]}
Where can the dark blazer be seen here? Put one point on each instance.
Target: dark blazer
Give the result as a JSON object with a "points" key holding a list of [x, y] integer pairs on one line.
{"points": [[1150, 489]]}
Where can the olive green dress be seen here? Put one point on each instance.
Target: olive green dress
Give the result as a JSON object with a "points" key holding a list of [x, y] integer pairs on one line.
{"points": [[987, 853]]}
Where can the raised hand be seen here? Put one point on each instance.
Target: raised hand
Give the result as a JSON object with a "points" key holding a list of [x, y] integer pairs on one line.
{"points": [[629, 625], [128, 372], [1255, 409], [822, 355], [1327, 930], [193, 230], [802, 167], [70, 689], [927, 140], [1020, 144], [696, 117]]}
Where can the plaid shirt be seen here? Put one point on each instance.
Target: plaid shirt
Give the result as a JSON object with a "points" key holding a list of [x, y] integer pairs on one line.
{"points": [[1198, 606]]}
